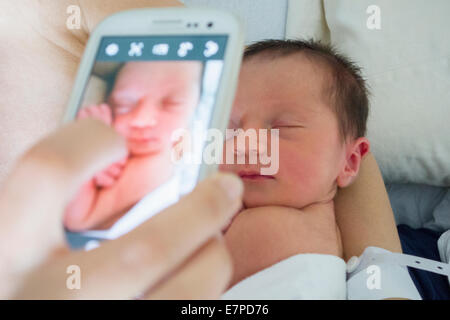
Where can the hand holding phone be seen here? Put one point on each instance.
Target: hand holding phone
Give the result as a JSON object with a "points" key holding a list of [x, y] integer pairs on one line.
{"points": [[191, 257]]}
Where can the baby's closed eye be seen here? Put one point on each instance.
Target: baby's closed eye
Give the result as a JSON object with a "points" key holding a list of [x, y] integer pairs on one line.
{"points": [[123, 108], [288, 129], [171, 103], [287, 125]]}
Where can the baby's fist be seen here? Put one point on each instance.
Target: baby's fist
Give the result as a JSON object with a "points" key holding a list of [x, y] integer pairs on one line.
{"points": [[100, 112], [110, 175]]}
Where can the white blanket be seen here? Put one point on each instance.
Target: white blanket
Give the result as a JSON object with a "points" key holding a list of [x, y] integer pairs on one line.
{"points": [[444, 247], [300, 277]]}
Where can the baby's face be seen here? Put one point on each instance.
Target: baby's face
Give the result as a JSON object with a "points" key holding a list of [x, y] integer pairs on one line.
{"points": [[287, 94], [150, 100]]}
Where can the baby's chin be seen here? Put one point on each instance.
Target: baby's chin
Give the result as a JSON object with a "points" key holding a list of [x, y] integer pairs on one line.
{"points": [[144, 149], [253, 199]]}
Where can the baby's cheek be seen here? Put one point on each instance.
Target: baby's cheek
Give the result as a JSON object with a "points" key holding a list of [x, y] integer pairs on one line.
{"points": [[297, 171], [120, 124], [227, 149], [170, 123], [224, 167]]}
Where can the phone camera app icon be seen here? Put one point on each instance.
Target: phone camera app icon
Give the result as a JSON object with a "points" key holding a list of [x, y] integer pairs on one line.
{"points": [[211, 48], [184, 48], [112, 49], [160, 49], [136, 49]]}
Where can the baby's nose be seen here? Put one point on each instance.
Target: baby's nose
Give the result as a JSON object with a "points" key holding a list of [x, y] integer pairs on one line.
{"points": [[250, 142], [146, 115]]}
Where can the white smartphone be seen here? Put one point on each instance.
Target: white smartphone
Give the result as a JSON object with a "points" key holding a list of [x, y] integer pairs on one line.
{"points": [[162, 78]]}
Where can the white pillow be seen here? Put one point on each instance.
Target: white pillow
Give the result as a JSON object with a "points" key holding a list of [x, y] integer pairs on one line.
{"points": [[407, 66]]}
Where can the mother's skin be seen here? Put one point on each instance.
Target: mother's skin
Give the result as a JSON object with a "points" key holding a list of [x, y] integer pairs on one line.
{"points": [[38, 61]]}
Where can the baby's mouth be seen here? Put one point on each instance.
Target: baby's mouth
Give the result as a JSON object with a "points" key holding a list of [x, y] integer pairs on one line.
{"points": [[143, 138], [254, 176], [144, 145], [144, 141]]}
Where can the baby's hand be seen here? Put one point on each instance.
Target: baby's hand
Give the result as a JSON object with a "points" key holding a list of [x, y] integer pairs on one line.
{"points": [[110, 175], [100, 112]]}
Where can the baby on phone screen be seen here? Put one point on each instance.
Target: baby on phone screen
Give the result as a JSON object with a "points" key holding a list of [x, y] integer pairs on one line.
{"points": [[147, 103]]}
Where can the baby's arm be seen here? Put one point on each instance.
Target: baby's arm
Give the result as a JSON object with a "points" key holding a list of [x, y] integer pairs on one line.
{"points": [[91, 208], [261, 237], [364, 214], [79, 208], [81, 212]]}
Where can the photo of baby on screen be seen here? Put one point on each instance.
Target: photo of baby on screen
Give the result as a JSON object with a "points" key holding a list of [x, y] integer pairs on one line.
{"points": [[146, 102]]}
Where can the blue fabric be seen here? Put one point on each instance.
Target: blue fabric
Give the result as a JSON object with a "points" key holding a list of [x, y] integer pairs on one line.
{"points": [[78, 241], [423, 243]]}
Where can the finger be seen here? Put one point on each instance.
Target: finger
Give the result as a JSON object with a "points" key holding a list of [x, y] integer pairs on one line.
{"points": [[106, 113], [90, 110], [115, 170], [108, 177], [86, 112], [82, 114], [33, 199], [204, 276], [102, 111], [122, 162], [97, 112], [139, 259], [104, 180]]}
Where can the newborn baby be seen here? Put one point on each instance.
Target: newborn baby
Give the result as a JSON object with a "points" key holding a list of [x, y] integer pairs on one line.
{"points": [[148, 102], [318, 102]]}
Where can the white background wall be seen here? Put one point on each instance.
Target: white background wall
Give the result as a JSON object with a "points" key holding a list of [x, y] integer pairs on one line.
{"points": [[263, 19]]}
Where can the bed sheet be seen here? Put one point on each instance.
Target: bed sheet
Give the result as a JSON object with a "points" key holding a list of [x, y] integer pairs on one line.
{"points": [[421, 206]]}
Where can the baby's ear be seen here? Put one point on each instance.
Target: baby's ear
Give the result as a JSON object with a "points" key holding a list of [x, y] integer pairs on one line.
{"points": [[354, 154]]}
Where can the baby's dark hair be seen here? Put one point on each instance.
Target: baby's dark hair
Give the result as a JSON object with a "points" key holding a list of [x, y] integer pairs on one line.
{"points": [[347, 89]]}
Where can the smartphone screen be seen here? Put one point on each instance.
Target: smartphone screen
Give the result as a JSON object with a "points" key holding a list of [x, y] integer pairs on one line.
{"points": [[159, 93]]}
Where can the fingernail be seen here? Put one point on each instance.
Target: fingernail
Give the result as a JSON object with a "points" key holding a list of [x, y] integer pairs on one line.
{"points": [[232, 185]]}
